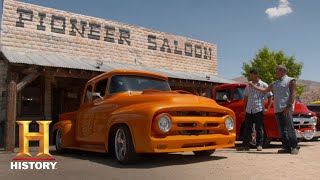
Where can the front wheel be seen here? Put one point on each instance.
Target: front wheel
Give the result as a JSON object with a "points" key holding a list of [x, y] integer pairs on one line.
{"points": [[204, 153], [58, 142], [123, 146]]}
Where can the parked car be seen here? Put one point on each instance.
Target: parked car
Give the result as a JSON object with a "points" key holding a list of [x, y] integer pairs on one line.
{"points": [[231, 96], [132, 112], [315, 107]]}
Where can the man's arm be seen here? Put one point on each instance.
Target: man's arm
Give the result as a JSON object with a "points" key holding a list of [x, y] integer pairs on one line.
{"points": [[292, 97], [268, 89], [293, 92]]}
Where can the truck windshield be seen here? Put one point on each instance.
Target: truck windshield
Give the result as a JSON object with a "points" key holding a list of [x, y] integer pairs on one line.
{"points": [[314, 107], [124, 83], [238, 93]]}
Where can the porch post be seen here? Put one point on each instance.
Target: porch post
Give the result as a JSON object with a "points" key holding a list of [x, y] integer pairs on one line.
{"points": [[11, 117]]}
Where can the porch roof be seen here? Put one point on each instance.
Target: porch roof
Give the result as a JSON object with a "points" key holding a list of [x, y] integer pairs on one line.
{"points": [[64, 61]]}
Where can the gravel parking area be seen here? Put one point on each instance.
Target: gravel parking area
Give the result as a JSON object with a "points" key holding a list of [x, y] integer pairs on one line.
{"points": [[223, 164]]}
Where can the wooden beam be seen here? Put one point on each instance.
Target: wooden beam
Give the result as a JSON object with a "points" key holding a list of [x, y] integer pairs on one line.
{"points": [[67, 73], [29, 70], [11, 117], [26, 80]]}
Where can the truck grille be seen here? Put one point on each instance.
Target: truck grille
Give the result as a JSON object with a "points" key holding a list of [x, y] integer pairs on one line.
{"points": [[303, 121], [195, 132], [198, 145], [186, 124], [194, 123], [196, 113]]}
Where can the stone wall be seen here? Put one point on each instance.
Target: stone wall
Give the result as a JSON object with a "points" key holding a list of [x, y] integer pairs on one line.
{"points": [[27, 27]]}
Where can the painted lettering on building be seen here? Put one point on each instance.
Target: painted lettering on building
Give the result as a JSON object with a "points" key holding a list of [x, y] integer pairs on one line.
{"points": [[108, 33]]}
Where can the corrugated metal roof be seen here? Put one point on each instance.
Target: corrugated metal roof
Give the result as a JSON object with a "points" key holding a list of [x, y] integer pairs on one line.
{"points": [[63, 61]]}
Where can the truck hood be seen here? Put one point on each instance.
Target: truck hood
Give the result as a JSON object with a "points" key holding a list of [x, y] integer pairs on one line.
{"points": [[152, 102], [167, 97], [300, 108]]}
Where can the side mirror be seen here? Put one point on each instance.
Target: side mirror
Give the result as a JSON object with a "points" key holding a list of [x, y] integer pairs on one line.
{"points": [[225, 97], [97, 95]]}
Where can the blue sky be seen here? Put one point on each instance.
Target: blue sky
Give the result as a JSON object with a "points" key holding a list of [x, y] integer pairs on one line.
{"points": [[239, 28]]}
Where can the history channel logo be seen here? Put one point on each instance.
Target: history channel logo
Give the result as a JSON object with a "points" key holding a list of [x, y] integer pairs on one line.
{"points": [[24, 160]]}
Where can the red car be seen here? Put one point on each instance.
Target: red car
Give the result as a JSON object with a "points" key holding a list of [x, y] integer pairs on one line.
{"points": [[231, 96]]}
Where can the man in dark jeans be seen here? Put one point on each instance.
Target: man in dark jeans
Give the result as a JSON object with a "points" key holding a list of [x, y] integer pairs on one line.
{"points": [[254, 108], [284, 90]]}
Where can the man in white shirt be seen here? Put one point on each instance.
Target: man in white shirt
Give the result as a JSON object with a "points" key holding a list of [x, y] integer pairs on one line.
{"points": [[254, 108]]}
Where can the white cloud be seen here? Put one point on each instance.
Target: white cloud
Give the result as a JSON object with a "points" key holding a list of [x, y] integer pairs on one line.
{"points": [[283, 9]]}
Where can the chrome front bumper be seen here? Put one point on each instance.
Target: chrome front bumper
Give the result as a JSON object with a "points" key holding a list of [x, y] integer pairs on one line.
{"points": [[308, 134], [317, 134]]}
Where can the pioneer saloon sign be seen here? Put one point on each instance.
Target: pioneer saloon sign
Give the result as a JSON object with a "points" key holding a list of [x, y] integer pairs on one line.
{"points": [[108, 33]]}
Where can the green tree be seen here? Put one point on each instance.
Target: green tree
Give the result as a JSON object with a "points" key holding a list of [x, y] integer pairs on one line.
{"points": [[266, 61]]}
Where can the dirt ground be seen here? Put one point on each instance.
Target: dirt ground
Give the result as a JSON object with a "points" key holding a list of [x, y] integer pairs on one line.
{"points": [[223, 164]]}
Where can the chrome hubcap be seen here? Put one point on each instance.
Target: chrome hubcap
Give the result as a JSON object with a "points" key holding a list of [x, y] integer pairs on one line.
{"points": [[58, 140], [120, 144]]}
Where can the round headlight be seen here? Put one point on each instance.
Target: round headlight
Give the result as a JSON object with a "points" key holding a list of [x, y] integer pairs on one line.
{"points": [[314, 120], [308, 134], [229, 123], [164, 123]]}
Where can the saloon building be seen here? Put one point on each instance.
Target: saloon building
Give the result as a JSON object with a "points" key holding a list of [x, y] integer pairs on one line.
{"points": [[49, 55]]}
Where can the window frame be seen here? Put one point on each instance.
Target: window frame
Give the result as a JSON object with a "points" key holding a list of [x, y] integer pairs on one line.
{"points": [[85, 94], [106, 89]]}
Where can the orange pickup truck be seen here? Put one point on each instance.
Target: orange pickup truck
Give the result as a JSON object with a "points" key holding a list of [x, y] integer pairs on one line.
{"points": [[231, 96], [132, 112]]}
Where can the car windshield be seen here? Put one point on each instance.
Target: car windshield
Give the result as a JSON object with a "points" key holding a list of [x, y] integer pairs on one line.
{"points": [[124, 83]]}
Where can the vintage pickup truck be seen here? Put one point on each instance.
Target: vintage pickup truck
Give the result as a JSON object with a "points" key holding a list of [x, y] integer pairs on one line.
{"points": [[231, 96], [132, 112]]}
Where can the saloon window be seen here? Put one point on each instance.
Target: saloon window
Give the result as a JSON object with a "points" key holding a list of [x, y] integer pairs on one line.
{"points": [[124, 83], [100, 90], [221, 93]]}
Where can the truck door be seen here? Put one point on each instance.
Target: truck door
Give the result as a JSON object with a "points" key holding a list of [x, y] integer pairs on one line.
{"points": [[101, 110], [84, 125]]}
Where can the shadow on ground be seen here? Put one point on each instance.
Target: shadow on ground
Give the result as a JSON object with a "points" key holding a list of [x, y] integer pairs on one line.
{"points": [[145, 161], [276, 146]]}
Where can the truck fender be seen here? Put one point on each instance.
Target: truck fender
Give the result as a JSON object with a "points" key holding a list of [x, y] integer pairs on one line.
{"points": [[117, 122], [64, 126]]}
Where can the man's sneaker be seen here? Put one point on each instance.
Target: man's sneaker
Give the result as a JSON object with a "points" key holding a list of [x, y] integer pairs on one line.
{"points": [[295, 151], [259, 148], [284, 150], [243, 148]]}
